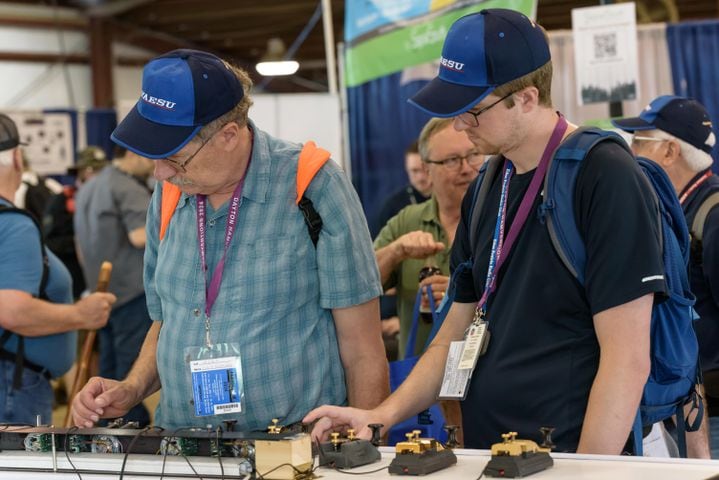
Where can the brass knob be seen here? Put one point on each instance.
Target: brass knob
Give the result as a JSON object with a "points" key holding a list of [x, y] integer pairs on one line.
{"points": [[351, 434]]}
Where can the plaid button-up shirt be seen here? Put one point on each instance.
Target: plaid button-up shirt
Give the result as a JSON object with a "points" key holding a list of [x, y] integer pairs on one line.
{"points": [[276, 295]]}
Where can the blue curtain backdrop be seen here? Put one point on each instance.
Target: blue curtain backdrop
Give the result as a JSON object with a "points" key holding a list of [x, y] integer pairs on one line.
{"points": [[382, 125], [99, 124], [694, 55]]}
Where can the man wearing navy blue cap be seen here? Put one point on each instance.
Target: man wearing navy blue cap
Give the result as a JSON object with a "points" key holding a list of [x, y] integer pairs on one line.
{"points": [[251, 321], [542, 366], [676, 133]]}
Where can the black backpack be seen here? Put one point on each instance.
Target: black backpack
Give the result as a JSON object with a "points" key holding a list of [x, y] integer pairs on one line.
{"points": [[37, 197]]}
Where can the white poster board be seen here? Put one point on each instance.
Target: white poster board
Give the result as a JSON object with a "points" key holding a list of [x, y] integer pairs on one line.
{"points": [[605, 53], [49, 140]]}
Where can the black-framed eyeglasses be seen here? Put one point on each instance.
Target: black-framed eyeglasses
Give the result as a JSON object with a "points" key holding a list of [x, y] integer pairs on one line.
{"points": [[471, 118], [474, 159], [182, 167]]}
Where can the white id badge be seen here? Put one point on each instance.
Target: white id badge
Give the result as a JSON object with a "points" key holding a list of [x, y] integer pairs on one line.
{"points": [[475, 344], [455, 382], [216, 376]]}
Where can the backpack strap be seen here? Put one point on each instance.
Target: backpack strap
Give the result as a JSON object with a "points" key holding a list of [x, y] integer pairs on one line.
{"points": [[558, 205], [312, 158], [41, 294], [700, 218], [170, 196]]}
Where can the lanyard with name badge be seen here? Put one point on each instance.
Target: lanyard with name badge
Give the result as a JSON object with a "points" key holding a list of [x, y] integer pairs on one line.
{"points": [[216, 369], [463, 355]]}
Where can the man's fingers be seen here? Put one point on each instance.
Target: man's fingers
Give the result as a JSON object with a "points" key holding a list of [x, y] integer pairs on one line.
{"points": [[321, 430]]}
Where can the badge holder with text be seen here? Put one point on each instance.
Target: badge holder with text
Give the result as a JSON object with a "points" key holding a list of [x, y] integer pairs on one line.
{"points": [[216, 376]]}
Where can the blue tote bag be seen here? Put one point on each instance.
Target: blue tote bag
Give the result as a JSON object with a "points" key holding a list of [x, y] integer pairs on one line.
{"points": [[430, 421]]}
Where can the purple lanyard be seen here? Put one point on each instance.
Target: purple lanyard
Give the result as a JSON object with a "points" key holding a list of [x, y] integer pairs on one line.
{"points": [[213, 289], [501, 246]]}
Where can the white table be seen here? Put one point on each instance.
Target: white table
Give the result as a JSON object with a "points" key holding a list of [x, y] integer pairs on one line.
{"points": [[469, 464]]}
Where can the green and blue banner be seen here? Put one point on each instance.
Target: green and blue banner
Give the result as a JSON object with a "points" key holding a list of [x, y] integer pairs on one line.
{"points": [[386, 36]]}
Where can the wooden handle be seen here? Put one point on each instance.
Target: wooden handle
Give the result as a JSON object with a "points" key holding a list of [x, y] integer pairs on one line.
{"points": [[103, 283], [103, 278]]}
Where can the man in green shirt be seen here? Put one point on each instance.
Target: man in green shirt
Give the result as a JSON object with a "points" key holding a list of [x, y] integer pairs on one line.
{"points": [[422, 235]]}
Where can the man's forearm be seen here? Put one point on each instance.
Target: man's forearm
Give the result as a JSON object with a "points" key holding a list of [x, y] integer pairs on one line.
{"points": [[420, 390], [388, 258], [623, 336], [367, 381], [31, 317], [143, 376], [612, 407]]}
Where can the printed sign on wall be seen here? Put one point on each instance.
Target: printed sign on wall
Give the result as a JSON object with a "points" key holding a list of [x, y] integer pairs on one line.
{"points": [[605, 53], [49, 140]]}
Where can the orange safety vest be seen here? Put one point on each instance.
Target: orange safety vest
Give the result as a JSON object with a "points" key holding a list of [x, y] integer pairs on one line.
{"points": [[310, 161]]}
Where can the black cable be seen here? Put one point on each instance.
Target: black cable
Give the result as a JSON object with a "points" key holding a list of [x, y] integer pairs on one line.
{"points": [[67, 455], [218, 437], [164, 460], [129, 447], [481, 474], [359, 473], [191, 467], [261, 476]]}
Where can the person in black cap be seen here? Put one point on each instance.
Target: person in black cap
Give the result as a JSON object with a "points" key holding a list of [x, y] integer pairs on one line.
{"points": [[542, 365], [676, 133], [37, 319], [252, 320]]}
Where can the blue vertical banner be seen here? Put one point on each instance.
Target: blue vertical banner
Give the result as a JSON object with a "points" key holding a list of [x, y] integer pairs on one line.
{"points": [[694, 53]]}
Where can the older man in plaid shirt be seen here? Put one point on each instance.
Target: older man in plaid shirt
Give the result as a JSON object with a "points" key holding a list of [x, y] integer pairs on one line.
{"points": [[251, 320]]}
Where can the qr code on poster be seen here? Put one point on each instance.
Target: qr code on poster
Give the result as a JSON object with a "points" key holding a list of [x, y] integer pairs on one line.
{"points": [[605, 45]]}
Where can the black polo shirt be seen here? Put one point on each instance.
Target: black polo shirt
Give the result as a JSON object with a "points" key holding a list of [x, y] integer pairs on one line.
{"points": [[543, 353]]}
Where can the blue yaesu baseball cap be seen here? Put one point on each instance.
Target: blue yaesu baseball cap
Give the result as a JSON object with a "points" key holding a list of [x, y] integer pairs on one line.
{"points": [[482, 51], [182, 91], [685, 118]]}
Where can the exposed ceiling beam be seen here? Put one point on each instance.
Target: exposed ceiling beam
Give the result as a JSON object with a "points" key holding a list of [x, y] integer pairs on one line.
{"points": [[114, 8], [42, 23], [73, 58]]}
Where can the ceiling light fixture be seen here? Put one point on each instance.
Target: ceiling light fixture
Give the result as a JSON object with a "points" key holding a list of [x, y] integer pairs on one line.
{"points": [[273, 62]]}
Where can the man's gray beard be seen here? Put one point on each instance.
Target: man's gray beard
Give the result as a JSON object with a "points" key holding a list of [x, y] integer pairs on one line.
{"points": [[181, 182]]}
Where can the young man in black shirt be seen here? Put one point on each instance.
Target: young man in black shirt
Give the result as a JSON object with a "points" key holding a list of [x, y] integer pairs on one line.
{"points": [[562, 354]]}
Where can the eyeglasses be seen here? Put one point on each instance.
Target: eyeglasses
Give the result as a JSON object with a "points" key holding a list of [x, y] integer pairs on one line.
{"points": [[182, 167], [470, 118], [639, 138], [474, 159]]}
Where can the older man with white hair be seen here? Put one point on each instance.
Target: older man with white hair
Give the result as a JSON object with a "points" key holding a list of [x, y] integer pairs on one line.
{"points": [[676, 133], [38, 319]]}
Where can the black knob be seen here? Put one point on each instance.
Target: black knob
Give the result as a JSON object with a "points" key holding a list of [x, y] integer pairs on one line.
{"points": [[547, 437], [451, 435], [376, 440]]}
